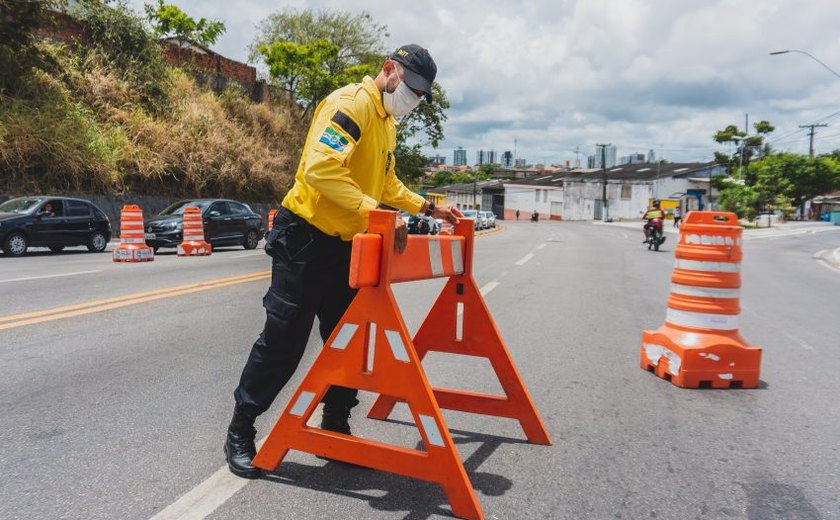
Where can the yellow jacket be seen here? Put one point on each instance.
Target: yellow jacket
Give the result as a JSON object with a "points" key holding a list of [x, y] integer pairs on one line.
{"points": [[347, 165]]}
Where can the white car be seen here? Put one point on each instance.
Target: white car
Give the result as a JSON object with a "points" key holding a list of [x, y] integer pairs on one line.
{"points": [[471, 213], [489, 218]]}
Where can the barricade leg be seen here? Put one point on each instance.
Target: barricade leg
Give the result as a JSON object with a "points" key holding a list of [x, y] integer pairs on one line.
{"points": [[373, 323], [479, 337]]}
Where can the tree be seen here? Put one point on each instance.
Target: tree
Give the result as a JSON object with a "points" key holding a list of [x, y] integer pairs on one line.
{"points": [[748, 145], [338, 48], [311, 53], [738, 198], [169, 20], [795, 177]]}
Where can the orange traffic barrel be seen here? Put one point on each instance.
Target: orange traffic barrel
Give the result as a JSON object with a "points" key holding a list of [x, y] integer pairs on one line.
{"points": [[132, 247], [193, 243], [699, 345], [271, 214]]}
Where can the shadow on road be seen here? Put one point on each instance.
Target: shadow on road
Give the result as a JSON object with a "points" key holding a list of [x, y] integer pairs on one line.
{"points": [[390, 492]]}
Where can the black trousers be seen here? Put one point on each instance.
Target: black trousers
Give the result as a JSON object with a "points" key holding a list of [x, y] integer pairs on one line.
{"points": [[309, 278]]}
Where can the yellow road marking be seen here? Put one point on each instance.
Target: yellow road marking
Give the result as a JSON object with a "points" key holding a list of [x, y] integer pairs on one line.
{"points": [[31, 318]]}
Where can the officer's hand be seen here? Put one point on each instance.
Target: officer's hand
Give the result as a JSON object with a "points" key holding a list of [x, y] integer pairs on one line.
{"points": [[448, 213], [400, 235]]}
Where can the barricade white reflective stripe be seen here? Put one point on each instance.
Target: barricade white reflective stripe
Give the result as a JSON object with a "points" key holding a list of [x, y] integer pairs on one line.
{"points": [[345, 334], [302, 403], [397, 345], [432, 431], [136, 214], [435, 257], [709, 240], [704, 292], [717, 267], [127, 240], [702, 320], [194, 238], [457, 257]]}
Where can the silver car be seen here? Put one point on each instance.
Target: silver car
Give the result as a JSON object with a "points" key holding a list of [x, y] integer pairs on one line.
{"points": [[489, 218]]}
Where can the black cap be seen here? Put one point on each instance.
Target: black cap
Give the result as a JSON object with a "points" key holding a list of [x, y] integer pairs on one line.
{"points": [[420, 68]]}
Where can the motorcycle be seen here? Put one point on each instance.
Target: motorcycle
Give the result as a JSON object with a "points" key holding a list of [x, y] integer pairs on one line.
{"points": [[655, 234]]}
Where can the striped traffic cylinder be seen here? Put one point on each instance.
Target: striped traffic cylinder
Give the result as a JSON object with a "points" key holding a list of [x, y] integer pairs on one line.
{"points": [[271, 214], [193, 243], [699, 345], [132, 247]]}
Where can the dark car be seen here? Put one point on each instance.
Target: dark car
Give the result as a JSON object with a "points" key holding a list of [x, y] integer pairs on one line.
{"points": [[226, 223], [53, 222]]}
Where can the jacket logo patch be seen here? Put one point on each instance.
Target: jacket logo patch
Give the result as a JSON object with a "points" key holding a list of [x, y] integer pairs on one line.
{"points": [[334, 140]]}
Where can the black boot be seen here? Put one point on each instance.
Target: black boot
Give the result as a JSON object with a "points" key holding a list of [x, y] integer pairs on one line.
{"points": [[239, 445], [335, 417]]}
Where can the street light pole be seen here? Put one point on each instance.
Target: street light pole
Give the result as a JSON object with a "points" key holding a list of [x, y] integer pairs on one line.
{"points": [[603, 180], [776, 53]]}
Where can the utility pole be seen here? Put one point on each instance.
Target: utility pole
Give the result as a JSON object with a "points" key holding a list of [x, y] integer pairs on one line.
{"points": [[603, 148], [811, 135]]}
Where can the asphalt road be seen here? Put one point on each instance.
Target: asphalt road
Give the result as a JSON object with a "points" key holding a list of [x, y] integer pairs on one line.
{"points": [[117, 409]]}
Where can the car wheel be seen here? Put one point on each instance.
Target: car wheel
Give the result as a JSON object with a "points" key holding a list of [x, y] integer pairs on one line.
{"points": [[56, 249], [155, 249], [97, 242], [16, 244], [252, 239]]}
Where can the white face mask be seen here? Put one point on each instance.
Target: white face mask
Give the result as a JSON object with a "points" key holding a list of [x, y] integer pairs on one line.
{"points": [[401, 101]]}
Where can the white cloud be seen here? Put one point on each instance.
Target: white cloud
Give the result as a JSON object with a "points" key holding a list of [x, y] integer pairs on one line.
{"points": [[642, 74]]}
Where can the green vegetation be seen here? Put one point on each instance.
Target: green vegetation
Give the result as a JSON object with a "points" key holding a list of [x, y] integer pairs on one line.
{"points": [[774, 181], [169, 20], [108, 116], [310, 54]]}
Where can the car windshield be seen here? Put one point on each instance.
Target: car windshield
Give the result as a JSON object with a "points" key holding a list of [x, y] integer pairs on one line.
{"points": [[178, 207], [470, 213], [21, 205]]}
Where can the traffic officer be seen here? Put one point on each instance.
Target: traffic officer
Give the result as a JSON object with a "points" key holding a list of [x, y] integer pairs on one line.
{"points": [[346, 170]]}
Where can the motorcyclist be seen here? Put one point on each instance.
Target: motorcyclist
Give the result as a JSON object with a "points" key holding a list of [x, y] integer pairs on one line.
{"points": [[652, 212]]}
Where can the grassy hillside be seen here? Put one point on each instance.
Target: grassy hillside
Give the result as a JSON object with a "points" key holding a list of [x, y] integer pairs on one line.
{"points": [[87, 124]]}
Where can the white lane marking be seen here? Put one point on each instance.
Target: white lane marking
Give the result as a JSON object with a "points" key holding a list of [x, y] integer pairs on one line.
{"points": [[781, 234], [524, 259], [624, 235], [799, 342], [542, 245], [489, 286], [48, 276], [246, 255], [200, 502], [819, 253]]}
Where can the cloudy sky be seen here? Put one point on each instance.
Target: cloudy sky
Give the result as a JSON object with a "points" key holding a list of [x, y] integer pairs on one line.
{"points": [[561, 75]]}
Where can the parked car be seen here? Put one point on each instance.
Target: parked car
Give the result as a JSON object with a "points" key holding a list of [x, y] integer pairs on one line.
{"points": [[489, 218], [226, 223], [53, 222], [471, 213]]}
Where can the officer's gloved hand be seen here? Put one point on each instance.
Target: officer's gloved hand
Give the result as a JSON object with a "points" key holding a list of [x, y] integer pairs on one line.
{"points": [[400, 235]]}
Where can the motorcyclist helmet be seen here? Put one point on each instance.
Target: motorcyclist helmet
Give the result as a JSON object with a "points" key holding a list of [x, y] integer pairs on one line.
{"points": [[655, 203]]}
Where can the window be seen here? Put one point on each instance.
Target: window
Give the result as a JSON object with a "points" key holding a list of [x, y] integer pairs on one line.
{"points": [[75, 208], [545, 195], [626, 191], [536, 195], [238, 209], [221, 207]]}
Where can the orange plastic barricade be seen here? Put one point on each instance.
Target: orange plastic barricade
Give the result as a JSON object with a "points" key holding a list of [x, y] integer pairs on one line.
{"points": [[193, 243], [699, 345], [271, 214], [370, 349], [132, 247]]}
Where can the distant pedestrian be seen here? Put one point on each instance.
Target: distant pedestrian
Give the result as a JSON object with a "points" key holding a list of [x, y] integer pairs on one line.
{"points": [[517, 214], [677, 217]]}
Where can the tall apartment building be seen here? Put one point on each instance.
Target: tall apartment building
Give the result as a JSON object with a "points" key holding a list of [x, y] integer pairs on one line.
{"points": [[436, 159], [594, 161], [485, 157], [507, 159], [460, 157]]}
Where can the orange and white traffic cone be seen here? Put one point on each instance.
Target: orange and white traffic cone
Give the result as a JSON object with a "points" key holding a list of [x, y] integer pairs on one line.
{"points": [[193, 243], [699, 345], [132, 246], [271, 214]]}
